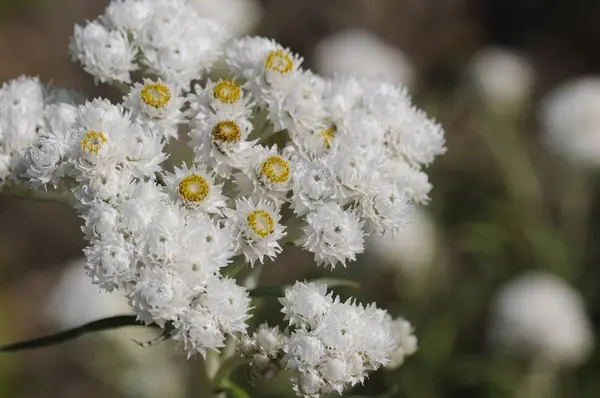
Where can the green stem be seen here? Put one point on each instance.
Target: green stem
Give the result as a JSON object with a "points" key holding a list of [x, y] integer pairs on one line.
{"points": [[62, 197]]}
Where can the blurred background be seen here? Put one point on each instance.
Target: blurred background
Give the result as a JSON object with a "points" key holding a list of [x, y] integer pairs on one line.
{"points": [[499, 274]]}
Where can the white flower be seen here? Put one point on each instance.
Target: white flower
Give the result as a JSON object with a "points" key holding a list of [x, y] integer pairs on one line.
{"points": [[199, 332], [257, 229], [110, 261], [333, 235], [303, 351], [59, 117], [503, 78], [223, 96], [305, 304], [159, 295], [195, 188], [407, 342], [228, 303], [269, 341], [156, 104], [45, 159], [387, 209], [314, 185], [270, 175], [105, 54], [21, 116], [244, 54], [539, 315], [297, 108], [570, 121], [178, 45], [220, 141], [360, 53]]}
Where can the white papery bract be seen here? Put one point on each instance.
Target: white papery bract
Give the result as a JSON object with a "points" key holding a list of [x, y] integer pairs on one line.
{"points": [[261, 152]]}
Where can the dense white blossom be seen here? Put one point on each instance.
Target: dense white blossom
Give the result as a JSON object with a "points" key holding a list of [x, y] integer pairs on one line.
{"points": [[222, 152]]}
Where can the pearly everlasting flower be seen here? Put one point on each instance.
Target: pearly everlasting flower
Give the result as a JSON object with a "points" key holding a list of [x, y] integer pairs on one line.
{"points": [[195, 188], [305, 303], [221, 97], [333, 235], [539, 315], [157, 105], [361, 53], [257, 228], [269, 175], [104, 53], [221, 141], [159, 295], [177, 44], [570, 123]]}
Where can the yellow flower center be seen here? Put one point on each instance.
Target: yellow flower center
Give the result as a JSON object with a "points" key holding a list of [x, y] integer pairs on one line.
{"points": [[279, 61], [92, 141], [227, 131], [276, 170], [193, 188], [227, 91], [261, 223], [328, 136], [156, 95]]}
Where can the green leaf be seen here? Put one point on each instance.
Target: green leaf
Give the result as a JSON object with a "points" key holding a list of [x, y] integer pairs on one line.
{"points": [[95, 326], [279, 290]]}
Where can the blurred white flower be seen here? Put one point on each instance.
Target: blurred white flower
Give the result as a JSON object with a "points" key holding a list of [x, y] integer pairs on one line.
{"points": [[361, 53], [412, 247], [570, 121], [540, 316], [75, 300], [502, 77], [241, 16]]}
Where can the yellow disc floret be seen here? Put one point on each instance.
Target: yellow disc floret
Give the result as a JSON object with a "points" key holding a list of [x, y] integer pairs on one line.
{"points": [[275, 169], [279, 61], [261, 223], [226, 131], [156, 95], [328, 136], [193, 189], [93, 141], [227, 91]]}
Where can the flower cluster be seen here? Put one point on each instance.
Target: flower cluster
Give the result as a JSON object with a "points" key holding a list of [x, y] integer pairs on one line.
{"points": [[331, 344], [27, 110], [276, 154]]}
